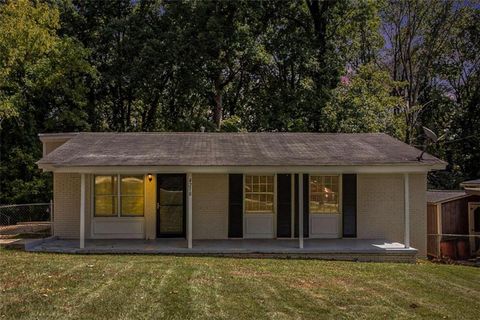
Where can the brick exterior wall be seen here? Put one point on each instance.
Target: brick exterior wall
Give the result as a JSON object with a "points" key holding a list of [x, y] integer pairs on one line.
{"points": [[381, 208], [418, 213], [66, 197], [210, 206]]}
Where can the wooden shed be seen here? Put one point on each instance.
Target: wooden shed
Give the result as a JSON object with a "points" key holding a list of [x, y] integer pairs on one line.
{"points": [[453, 221]]}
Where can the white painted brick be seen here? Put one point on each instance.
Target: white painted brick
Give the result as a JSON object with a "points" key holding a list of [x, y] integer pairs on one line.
{"points": [[381, 209]]}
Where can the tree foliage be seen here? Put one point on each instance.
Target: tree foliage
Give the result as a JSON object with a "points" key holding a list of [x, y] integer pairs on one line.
{"points": [[310, 65], [363, 103], [42, 88]]}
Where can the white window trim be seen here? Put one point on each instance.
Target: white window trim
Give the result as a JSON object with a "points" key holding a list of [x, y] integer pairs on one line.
{"points": [[319, 216], [274, 213], [339, 212], [118, 216], [274, 193]]}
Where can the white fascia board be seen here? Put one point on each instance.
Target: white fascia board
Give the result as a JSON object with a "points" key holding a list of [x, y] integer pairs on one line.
{"points": [[56, 137], [245, 169]]}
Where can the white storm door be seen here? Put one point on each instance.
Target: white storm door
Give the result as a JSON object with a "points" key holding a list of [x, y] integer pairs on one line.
{"points": [[259, 225], [325, 225], [259, 208]]}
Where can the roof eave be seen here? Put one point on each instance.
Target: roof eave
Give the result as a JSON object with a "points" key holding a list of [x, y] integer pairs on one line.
{"points": [[449, 199], [374, 168], [470, 184], [53, 137], [473, 191]]}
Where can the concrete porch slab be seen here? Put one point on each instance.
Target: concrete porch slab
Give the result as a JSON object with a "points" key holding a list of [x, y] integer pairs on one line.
{"points": [[340, 249]]}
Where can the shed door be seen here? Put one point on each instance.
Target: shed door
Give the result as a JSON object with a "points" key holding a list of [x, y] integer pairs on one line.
{"points": [[474, 226]]}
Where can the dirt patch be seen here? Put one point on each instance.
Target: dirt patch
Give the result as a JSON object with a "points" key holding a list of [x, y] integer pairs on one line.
{"points": [[13, 231]]}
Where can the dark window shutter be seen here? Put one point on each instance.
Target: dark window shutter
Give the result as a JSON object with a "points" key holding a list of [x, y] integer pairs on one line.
{"points": [[235, 206], [306, 205], [296, 205], [284, 205], [349, 205]]}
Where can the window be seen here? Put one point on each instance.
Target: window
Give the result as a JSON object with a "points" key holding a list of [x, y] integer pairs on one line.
{"points": [[106, 201], [131, 194], [118, 195], [324, 194], [259, 194]]}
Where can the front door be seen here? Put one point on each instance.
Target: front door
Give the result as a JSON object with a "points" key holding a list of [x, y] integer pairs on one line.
{"points": [[474, 225], [171, 209]]}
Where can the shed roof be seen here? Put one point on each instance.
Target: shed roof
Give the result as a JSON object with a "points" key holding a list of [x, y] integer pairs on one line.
{"points": [[439, 196], [234, 149], [472, 187], [475, 182]]}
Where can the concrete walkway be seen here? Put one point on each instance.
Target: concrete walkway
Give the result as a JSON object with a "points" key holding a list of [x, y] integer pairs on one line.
{"points": [[343, 249]]}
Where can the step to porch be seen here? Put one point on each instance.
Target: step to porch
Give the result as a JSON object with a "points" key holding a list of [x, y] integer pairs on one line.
{"points": [[330, 249]]}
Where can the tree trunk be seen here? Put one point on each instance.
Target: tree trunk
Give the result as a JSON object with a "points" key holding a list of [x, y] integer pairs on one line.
{"points": [[218, 109]]}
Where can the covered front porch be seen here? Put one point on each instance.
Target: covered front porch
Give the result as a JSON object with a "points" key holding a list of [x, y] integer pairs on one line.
{"points": [[335, 249], [217, 208]]}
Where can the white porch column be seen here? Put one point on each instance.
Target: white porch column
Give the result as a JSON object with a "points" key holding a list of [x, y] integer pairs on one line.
{"points": [[292, 206], [189, 210], [300, 210], [82, 211], [407, 210]]}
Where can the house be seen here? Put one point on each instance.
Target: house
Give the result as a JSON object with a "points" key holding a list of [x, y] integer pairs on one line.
{"points": [[453, 221], [364, 192]]}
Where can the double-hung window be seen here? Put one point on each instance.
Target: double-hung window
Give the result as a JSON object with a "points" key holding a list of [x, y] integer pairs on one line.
{"points": [[324, 194], [259, 194], [119, 196]]}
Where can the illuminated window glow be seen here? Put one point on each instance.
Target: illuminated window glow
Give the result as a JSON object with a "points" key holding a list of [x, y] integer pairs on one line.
{"points": [[119, 191]]}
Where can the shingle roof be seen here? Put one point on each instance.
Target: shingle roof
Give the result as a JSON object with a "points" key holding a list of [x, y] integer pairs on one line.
{"points": [[436, 196], [234, 149]]}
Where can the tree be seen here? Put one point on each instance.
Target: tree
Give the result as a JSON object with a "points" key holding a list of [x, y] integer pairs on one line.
{"points": [[456, 102], [25, 40], [225, 37], [364, 103], [155, 65], [42, 87], [416, 33]]}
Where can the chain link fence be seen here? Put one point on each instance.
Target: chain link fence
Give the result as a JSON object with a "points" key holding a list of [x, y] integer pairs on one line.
{"points": [[454, 246], [33, 220]]}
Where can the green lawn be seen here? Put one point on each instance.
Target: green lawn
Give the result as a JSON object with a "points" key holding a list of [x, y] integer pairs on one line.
{"points": [[53, 286]]}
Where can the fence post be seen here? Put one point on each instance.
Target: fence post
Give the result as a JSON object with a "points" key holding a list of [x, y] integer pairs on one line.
{"points": [[51, 217]]}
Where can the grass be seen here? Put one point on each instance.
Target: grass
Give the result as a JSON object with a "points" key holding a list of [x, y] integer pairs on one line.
{"points": [[54, 286]]}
